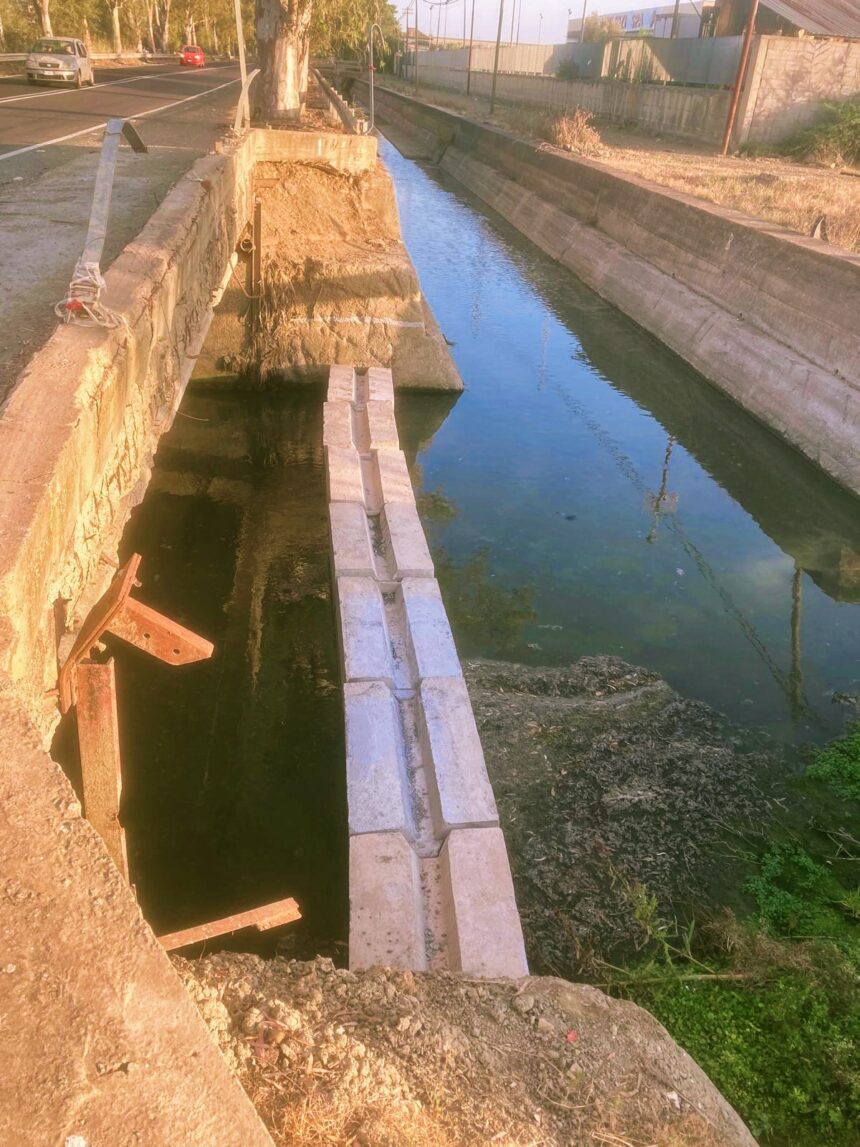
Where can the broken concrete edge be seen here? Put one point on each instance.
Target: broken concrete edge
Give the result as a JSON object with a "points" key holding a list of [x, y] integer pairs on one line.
{"points": [[767, 315], [80, 428], [419, 796], [119, 1052]]}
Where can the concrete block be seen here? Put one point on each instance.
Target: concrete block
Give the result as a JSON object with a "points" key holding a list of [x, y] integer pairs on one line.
{"points": [[385, 917], [343, 470], [377, 786], [363, 632], [394, 480], [431, 642], [383, 428], [337, 424], [350, 540], [484, 934], [341, 383], [380, 384], [459, 788], [405, 535]]}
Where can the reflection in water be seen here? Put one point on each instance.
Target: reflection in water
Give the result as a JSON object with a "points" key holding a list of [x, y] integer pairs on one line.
{"points": [[637, 509], [234, 787]]}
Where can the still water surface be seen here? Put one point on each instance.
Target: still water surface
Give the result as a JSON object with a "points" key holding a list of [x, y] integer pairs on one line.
{"points": [[591, 493]]}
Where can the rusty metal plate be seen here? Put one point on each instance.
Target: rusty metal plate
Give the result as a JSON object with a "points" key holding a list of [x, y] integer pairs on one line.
{"points": [[263, 919], [151, 631], [101, 773]]}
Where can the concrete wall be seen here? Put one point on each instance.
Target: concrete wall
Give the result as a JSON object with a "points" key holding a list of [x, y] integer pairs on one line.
{"points": [[768, 316], [790, 81]]}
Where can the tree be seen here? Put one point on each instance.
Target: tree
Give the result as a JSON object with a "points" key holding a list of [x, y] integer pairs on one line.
{"points": [[116, 30], [339, 27], [45, 17], [283, 47]]}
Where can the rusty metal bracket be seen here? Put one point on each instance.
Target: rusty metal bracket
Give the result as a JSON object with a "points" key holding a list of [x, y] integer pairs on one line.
{"points": [[118, 613], [90, 685]]}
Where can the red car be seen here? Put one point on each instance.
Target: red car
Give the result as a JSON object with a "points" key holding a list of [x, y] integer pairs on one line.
{"points": [[193, 55]]}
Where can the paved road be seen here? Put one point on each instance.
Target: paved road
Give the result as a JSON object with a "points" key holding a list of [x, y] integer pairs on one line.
{"points": [[38, 117], [49, 149]]}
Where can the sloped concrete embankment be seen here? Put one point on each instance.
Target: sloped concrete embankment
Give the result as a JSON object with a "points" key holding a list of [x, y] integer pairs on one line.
{"points": [[430, 884], [768, 316]]}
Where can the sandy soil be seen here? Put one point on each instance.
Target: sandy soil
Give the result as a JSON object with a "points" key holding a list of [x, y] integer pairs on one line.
{"points": [[394, 1059]]}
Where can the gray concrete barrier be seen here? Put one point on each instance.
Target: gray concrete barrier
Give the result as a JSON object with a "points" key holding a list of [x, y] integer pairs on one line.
{"points": [[767, 315], [430, 883]]}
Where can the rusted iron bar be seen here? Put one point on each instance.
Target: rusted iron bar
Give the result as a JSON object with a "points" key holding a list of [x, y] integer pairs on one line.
{"points": [[101, 772], [263, 919], [741, 77], [118, 613]]}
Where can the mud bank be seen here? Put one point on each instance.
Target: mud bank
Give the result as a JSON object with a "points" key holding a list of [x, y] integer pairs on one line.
{"points": [[606, 779], [766, 315]]}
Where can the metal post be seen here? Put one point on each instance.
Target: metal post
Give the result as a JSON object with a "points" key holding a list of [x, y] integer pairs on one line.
{"points": [[243, 71], [101, 770], [417, 7], [257, 264], [496, 60], [582, 29], [471, 43], [741, 77], [676, 19]]}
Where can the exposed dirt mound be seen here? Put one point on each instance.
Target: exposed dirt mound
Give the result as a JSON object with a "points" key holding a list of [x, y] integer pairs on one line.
{"points": [[393, 1059], [608, 781]]}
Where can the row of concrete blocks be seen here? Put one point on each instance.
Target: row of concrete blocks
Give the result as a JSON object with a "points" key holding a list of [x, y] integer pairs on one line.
{"points": [[430, 883]]}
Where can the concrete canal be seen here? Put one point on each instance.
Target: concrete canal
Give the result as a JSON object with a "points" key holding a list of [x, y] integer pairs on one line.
{"points": [[590, 493]]}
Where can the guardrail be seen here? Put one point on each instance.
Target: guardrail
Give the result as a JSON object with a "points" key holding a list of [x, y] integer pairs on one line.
{"points": [[15, 57]]}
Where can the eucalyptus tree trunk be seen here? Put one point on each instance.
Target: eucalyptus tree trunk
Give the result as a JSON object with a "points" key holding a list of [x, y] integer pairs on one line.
{"points": [[115, 6], [45, 17], [283, 46]]}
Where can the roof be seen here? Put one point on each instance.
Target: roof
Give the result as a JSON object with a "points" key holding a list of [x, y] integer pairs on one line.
{"points": [[820, 17]]}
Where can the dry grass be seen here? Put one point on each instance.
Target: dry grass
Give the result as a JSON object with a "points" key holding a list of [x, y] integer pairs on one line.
{"points": [[790, 193]]}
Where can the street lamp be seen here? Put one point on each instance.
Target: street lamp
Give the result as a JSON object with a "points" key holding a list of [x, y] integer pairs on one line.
{"points": [[540, 25]]}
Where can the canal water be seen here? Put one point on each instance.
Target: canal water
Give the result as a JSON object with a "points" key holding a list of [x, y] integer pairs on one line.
{"points": [[590, 493], [234, 786]]}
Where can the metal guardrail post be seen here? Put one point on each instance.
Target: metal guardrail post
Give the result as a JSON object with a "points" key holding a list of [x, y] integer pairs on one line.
{"points": [[81, 304], [243, 112]]}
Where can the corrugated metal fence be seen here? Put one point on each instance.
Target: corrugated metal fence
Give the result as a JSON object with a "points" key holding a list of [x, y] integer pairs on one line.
{"points": [[692, 62]]}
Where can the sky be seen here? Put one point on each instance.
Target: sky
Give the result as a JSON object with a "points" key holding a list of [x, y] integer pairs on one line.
{"points": [[552, 29]]}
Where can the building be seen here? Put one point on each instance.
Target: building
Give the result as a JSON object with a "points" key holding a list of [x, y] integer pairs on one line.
{"points": [[791, 18], [653, 21]]}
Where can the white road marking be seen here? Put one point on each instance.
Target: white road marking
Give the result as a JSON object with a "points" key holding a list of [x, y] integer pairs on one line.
{"points": [[99, 126], [95, 87]]}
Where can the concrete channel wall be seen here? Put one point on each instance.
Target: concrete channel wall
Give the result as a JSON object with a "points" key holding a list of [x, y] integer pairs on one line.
{"points": [[430, 883], [770, 317]]}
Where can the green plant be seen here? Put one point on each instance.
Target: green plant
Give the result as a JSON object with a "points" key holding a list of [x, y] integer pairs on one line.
{"points": [[838, 764], [834, 140]]}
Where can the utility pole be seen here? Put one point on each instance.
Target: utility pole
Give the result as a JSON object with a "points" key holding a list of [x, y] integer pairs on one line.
{"points": [[496, 61], [417, 7], [471, 43], [582, 29], [741, 77], [676, 20]]}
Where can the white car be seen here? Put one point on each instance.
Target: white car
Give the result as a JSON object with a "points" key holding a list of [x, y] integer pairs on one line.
{"points": [[60, 60]]}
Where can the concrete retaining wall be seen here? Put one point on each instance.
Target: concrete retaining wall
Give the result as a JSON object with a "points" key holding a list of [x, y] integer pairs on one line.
{"points": [[767, 315], [692, 113], [430, 884]]}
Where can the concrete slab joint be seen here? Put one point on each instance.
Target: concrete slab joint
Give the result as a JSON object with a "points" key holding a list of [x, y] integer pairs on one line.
{"points": [[430, 884]]}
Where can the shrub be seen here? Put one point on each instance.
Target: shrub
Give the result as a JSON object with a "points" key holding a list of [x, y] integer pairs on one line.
{"points": [[574, 131], [834, 140]]}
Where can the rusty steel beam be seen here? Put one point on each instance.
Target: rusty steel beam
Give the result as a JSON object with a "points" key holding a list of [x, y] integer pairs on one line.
{"points": [[118, 613], [101, 772], [263, 919]]}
